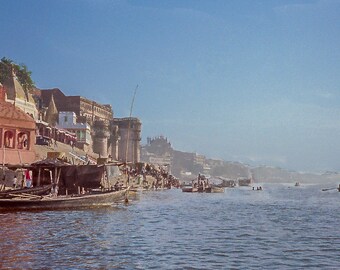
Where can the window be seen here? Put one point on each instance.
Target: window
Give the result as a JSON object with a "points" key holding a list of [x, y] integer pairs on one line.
{"points": [[9, 138], [22, 141], [0, 137]]}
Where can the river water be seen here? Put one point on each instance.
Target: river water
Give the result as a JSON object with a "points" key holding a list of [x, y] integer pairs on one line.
{"points": [[281, 227]]}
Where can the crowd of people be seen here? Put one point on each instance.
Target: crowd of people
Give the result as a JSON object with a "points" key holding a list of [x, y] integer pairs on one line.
{"points": [[202, 183], [151, 176]]}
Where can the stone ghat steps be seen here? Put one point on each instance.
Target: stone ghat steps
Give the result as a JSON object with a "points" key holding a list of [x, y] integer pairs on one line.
{"points": [[42, 150]]}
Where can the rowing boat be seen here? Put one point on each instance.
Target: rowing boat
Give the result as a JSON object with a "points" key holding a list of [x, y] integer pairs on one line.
{"points": [[89, 200], [41, 190]]}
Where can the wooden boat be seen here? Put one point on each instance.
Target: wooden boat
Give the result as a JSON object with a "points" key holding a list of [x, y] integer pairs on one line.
{"points": [[244, 182], [90, 200], [42, 190], [189, 189], [215, 189], [211, 189]]}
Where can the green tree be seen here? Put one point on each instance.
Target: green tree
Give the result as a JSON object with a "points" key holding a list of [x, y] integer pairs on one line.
{"points": [[21, 71], [5, 69]]}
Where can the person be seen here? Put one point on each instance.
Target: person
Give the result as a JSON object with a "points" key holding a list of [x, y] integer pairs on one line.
{"points": [[55, 143], [28, 178], [15, 181], [54, 190]]}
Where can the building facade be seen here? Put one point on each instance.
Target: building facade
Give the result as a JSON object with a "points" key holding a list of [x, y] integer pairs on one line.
{"points": [[16, 95], [17, 133], [67, 121], [129, 130], [86, 110]]}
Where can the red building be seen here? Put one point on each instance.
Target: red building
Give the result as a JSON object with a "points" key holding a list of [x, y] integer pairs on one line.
{"points": [[17, 134]]}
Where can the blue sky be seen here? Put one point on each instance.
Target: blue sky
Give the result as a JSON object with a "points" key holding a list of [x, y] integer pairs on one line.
{"points": [[251, 81]]}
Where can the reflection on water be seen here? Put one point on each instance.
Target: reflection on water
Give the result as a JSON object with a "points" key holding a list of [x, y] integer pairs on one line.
{"points": [[280, 227]]}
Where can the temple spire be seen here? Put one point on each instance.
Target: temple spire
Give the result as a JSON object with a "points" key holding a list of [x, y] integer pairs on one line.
{"points": [[51, 113]]}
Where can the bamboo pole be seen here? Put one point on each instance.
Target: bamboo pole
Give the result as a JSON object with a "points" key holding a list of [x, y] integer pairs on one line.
{"points": [[4, 156], [19, 156], [38, 184], [128, 135]]}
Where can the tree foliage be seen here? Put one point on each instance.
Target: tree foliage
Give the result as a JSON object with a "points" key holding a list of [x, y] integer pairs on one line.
{"points": [[21, 71]]}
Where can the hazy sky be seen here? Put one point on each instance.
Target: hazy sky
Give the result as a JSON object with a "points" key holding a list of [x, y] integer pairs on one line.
{"points": [[251, 81]]}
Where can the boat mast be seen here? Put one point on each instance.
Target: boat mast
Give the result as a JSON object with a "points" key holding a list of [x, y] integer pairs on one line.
{"points": [[128, 137], [129, 126]]}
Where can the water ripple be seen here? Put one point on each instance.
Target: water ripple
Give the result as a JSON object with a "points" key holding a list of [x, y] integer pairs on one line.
{"points": [[277, 228]]}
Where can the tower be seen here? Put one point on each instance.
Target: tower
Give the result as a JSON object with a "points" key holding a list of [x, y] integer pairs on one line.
{"points": [[129, 143], [100, 136]]}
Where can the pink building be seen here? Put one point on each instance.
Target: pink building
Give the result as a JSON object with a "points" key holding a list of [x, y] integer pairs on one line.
{"points": [[17, 133]]}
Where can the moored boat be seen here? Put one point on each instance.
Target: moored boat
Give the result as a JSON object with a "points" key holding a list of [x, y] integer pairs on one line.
{"points": [[202, 185], [210, 189], [189, 189], [215, 189], [68, 186], [89, 200], [13, 193]]}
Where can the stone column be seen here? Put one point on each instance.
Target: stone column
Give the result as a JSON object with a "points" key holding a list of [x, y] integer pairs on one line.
{"points": [[114, 138], [100, 135]]}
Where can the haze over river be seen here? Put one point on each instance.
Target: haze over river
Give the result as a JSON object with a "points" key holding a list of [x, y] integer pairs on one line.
{"points": [[281, 227]]}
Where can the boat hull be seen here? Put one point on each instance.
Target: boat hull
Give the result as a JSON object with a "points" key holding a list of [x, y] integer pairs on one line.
{"points": [[64, 202], [212, 189]]}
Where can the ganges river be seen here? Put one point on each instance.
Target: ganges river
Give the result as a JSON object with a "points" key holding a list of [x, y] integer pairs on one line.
{"points": [[281, 227]]}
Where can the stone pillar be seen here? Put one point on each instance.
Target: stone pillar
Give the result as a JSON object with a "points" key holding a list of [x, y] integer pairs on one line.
{"points": [[136, 138], [129, 141], [100, 136], [114, 138]]}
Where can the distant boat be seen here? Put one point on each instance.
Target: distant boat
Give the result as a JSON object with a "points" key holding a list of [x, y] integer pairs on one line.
{"points": [[211, 189], [244, 182], [297, 184], [215, 189], [189, 189], [227, 183]]}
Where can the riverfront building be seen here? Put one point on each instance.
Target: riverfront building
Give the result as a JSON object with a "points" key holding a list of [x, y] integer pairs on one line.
{"points": [[158, 151], [86, 110], [129, 130], [22, 99], [17, 133], [67, 121], [115, 138]]}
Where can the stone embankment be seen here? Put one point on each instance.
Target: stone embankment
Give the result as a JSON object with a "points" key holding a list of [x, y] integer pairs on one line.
{"points": [[69, 152]]}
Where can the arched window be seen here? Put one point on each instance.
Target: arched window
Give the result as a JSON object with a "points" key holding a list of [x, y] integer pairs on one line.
{"points": [[9, 138], [22, 141]]}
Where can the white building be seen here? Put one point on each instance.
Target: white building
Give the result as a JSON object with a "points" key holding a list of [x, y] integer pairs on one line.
{"points": [[67, 121]]}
